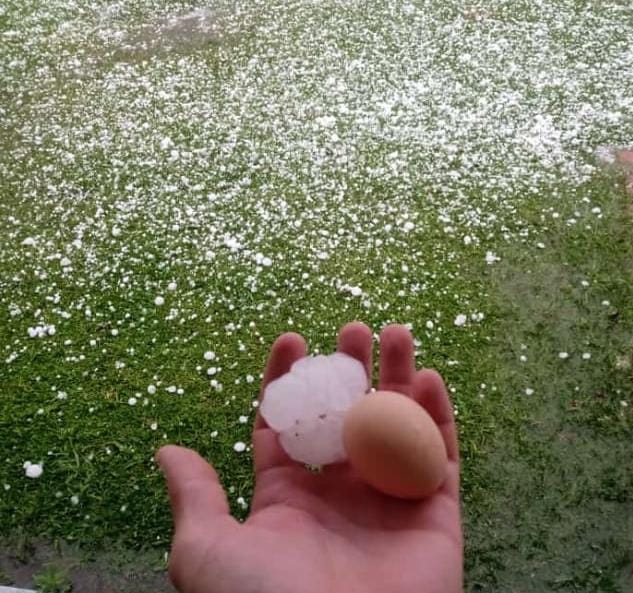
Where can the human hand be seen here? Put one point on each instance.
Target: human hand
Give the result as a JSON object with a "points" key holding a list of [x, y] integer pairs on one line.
{"points": [[320, 532]]}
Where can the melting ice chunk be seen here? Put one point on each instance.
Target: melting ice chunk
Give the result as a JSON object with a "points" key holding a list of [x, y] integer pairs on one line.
{"points": [[306, 406]]}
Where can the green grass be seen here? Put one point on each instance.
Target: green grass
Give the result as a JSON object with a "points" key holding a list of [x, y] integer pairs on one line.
{"points": [[310, 134]]}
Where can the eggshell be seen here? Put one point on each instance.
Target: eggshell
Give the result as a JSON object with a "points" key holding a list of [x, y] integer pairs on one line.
{"points": [[394, 445]]}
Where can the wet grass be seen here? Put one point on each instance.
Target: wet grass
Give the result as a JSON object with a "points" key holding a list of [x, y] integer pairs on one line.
{"points": [[147, 166]]}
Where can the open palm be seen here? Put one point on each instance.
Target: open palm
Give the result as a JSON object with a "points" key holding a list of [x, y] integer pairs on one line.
{"points": [[324, 532]]}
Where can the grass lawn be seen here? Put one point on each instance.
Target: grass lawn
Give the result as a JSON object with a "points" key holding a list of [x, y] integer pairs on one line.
{"points": [[181, 182]]}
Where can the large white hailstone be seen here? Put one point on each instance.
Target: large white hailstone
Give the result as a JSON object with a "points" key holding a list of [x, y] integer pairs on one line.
{"points": [[306, 406]]}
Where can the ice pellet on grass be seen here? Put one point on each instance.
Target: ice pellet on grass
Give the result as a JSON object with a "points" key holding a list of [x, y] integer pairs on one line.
{"points": [[33, 470], [306, 406]]}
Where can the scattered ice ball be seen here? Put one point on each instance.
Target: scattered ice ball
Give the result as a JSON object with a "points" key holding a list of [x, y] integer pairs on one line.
{"points": [[214, 434], [306, 406], [563, 355], [239, 447], [208, 355], [74, 500], [172, 286], [460, 320], [159, 301], [116, 231], [132, 401], [151, 389], [64, 262], [28, 242], [586, 356], [491, 257], [529, 391], [33, 470], [243, 419]]}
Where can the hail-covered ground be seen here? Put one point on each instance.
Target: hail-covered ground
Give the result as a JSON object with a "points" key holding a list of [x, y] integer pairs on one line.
{"points": [[181, 182]]}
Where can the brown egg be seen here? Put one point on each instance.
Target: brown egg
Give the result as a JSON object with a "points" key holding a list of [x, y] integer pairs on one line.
{"points": [[394, 445]]}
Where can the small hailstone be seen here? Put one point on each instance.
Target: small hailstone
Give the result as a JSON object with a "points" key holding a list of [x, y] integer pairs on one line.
{"points": [[208, 355], [356, 291], [51, 330], [460, 320], [151, 389], [243, 419], [529, 391], [115, 332], [468, 240], [154, 425], [172, 286], [523, 358], [116, 231], [28, 242], [132, 401], [606, 303], [563, 355], [33, 470], [491, 257], [267, 262], [255, 403], [250, 378], [180, 391], [159, 301], [212, 371], [171, 389], [586, 355], [214, 434], [74, 500], [408, 226], [241, 502], [64, 262], [239, 447], [306, 406]]}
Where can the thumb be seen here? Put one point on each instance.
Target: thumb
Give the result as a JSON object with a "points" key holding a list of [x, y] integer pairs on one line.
{"points": [[195, 492]]}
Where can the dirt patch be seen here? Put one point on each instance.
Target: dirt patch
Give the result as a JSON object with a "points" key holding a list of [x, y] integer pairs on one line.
{"points": [[115, 571], [178, 34]]}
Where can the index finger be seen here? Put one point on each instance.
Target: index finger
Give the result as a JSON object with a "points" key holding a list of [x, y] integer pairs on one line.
{"points": [[287, 349]]}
